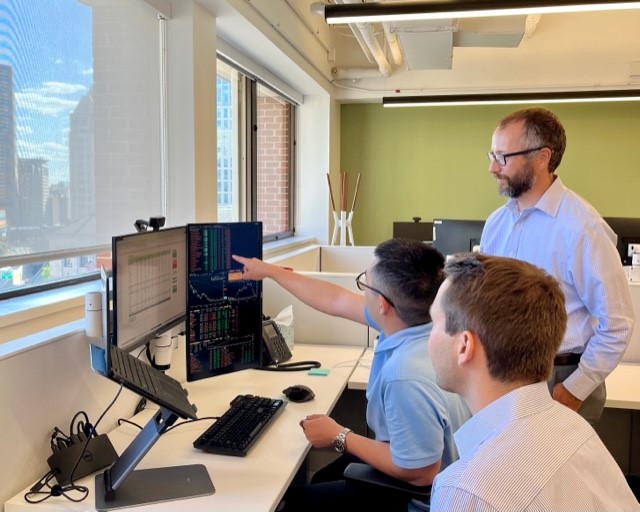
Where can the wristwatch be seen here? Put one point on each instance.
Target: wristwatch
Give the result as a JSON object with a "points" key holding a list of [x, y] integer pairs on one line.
{"points": [[338, 442]]}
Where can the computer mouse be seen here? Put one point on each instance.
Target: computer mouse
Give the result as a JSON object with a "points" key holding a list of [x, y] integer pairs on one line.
{"points": [[299, 393]]}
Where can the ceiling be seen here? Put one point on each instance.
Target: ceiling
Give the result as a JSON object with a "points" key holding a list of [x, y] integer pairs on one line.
{"points": [[521, 53]]}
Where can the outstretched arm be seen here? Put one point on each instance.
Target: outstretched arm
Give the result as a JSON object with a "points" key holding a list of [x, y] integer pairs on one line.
{"points": [[317, 293]]}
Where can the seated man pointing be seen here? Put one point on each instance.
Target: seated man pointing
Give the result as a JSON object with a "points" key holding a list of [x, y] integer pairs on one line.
{"points": [[413, 419]]}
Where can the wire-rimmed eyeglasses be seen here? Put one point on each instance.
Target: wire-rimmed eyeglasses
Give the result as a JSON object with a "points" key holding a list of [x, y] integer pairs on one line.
{"points": [[501, 158], [362, 285]]}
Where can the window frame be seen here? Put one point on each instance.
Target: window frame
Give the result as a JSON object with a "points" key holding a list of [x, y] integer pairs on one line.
{"points": [[248, 143]]}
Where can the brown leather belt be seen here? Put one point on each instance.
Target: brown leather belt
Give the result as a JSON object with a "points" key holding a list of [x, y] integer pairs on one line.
{"points": [[566, 359]]}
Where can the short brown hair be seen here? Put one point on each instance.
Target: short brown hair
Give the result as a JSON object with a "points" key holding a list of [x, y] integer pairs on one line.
{"points": [[541, 128], [515, 308]]}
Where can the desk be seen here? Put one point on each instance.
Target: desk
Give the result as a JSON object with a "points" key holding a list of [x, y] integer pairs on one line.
{"points": [[622, 383], [622, 387], [256, 482], [360, 376]]}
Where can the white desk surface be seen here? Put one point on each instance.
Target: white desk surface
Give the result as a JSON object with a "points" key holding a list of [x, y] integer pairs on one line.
{"points": [[256, 482], [623, 384], [623, 387], [360, 376]]}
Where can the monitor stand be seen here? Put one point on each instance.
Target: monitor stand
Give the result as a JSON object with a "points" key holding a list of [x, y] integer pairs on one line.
{"points": [[120, 486]]}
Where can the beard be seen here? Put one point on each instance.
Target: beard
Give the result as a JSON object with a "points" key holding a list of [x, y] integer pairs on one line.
{"points": [[518, 184]]}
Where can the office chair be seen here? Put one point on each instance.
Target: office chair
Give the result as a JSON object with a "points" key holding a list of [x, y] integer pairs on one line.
{"points": [[360, 474]]}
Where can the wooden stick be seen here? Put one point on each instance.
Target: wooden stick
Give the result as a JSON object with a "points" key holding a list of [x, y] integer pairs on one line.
{"points": [[345, 187], [355, 194], [333, 205]]}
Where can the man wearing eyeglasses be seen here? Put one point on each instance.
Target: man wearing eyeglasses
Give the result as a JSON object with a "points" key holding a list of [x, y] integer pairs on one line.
{"points": [[550, 226], [413, 419]]}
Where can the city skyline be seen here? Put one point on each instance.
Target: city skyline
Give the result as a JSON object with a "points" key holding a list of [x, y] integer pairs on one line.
{"points": [[49, 79]]}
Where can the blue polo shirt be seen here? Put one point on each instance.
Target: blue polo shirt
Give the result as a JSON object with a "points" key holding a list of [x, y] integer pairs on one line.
{"points": [[405, 405]]}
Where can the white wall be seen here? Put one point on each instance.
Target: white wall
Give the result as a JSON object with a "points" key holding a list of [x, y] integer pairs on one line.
{"points": [[44, 388]]}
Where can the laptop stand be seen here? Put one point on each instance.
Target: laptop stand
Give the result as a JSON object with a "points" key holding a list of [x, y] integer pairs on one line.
{"points": [[120, 486]]}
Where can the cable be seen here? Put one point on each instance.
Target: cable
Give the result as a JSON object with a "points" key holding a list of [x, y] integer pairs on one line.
{"points": [[122, 420], [59, 490], [292, 367], [216, 418]]}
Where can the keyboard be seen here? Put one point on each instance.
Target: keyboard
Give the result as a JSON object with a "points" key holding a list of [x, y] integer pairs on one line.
{"points": [[236, 431]]}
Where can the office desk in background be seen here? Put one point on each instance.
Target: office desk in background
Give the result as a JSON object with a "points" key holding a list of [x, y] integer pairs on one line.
{"points": [[622, 384], [256, 482]]}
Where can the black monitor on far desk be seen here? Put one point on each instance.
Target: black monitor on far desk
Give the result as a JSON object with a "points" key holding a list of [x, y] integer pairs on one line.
{"points": [[451, 236], [628, 231], [415, 230]]}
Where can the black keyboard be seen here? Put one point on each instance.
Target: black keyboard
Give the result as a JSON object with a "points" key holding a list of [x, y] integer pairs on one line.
{"points": [[240, 426]]}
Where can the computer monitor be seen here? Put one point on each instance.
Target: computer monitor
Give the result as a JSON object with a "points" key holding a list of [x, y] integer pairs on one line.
{"points": [[414, 230], [224, 311], [451, 236], [149, 285], [628, 231]]}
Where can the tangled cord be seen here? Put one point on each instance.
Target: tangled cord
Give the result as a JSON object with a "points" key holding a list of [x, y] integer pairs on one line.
{"points": [[36, 494]]}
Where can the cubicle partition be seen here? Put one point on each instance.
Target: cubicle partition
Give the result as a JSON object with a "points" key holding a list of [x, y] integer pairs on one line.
{"points": [[632, 355], [335, 264]]}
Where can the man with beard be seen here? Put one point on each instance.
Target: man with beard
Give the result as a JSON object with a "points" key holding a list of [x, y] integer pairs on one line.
{"points": [[550, 226]]}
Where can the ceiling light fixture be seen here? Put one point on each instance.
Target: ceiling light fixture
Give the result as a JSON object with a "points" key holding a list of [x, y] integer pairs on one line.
{"points": [[443, 9], [511, 98]]}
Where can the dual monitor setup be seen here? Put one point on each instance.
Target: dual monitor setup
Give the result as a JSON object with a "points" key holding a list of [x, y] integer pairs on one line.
{"points": [[451, 236], [159, 280], [186, 274]]}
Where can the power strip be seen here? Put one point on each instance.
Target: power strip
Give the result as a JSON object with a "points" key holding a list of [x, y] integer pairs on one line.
{"points": [[99, 454]]}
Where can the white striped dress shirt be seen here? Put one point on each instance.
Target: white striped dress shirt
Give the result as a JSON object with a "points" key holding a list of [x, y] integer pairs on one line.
{"points": [[567, 237], [525, 451]]}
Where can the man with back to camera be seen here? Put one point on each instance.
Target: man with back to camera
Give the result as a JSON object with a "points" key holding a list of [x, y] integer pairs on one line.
{"points": [[497, 325], [552, 227], [413, 419]]}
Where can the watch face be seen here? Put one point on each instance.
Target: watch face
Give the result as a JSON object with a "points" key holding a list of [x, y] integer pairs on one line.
{"points": [[338, 442]]}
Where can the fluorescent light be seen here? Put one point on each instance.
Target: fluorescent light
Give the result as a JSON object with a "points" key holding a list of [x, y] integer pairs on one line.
{"points": [[512, 98], [406, 11]]}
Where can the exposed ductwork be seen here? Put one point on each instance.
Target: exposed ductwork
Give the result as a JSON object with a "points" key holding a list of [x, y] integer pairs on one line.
{"points": [[365, 34]]}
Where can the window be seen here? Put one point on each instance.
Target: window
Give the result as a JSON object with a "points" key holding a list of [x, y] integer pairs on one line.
{"points": [[80, 155], [255, 152]]}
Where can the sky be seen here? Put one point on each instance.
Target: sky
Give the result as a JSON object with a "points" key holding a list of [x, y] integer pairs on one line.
{"points": [[48, 43]]}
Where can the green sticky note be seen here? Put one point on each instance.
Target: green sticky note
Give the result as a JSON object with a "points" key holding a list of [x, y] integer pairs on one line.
{"points": [[319, 371]]}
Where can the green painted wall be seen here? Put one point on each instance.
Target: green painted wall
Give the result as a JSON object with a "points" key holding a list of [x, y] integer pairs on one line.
{"points": [[431, 162]]}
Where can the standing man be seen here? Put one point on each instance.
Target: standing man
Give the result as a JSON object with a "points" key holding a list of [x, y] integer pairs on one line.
{"points": [[413, 419], [497, 324], [548, 225]]}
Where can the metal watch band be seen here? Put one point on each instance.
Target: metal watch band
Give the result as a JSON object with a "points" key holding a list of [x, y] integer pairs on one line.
{"points": [[339, 441]]}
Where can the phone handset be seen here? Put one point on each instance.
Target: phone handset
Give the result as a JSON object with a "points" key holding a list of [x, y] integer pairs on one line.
{"points": [[275, 347]]}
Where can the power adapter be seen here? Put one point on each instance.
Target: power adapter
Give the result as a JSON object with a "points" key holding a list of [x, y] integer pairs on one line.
{"points": [[99, 454]]}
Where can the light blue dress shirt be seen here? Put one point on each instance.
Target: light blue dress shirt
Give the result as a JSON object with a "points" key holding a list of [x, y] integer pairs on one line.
{"points": [[567, 237], [524, 451]]}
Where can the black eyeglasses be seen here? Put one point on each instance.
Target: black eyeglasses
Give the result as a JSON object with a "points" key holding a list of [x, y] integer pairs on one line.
{"points": [[501, 158], [361, 286]]}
